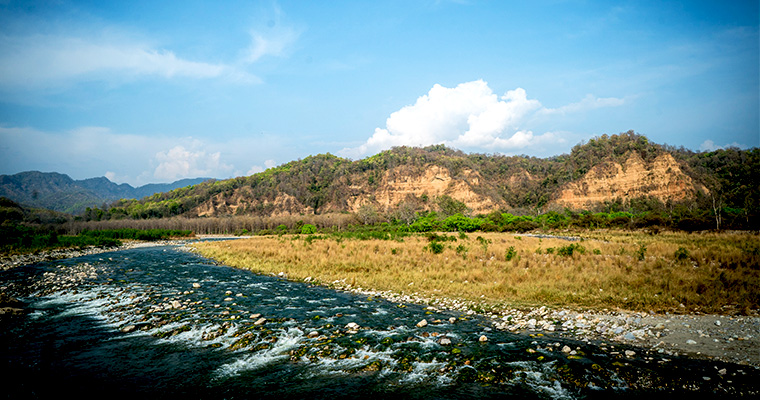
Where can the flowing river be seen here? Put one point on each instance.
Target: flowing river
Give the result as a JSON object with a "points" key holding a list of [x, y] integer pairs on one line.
{"points": [[163, 322]]}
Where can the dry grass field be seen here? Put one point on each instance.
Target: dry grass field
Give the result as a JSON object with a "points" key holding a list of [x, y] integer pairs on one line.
{"points": [[635, 271]]}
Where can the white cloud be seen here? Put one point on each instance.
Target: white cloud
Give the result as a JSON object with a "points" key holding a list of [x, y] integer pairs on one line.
{"points": [[257, 168], [179, 162], [274, 43], [471, 116], [40, 60], [709, 145], [590, 102]]}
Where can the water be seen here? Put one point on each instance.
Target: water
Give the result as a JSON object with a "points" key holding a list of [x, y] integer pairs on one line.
{"points": [[131, 323]]}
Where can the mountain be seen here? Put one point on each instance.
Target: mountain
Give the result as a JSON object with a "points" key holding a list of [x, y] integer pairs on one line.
{"points": [[624, 172], [54, 191]]}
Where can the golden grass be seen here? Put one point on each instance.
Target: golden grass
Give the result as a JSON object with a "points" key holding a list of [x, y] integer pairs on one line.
{"points": [[633, 271]]}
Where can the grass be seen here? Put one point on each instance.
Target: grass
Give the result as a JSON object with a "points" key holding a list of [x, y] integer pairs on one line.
{"points": [[676, 272]]}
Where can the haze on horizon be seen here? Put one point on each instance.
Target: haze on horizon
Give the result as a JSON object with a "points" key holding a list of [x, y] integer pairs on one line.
{"points": [[144, 92]]}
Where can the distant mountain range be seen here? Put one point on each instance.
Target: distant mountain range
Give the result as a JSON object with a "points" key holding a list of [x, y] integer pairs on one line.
{"points": [[54, 191]]}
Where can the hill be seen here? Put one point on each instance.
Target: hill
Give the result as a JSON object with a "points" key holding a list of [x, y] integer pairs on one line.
{"points": [[624, 172], [59, 192]]}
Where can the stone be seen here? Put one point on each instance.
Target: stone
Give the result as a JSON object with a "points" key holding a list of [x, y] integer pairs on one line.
{"points": [[483, 339], [229, 292], [196, 285], [717, 323], [452, 320], [690, 342], [254, 316], [444, 341], [128, 328], [228, 299], [629, 336], [352, 326], [722, 371], [422, 323], [566, 349], [313, 334], [260, 321]]}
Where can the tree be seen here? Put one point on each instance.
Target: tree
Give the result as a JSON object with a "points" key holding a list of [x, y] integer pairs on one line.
{"points": [[450, 206]]}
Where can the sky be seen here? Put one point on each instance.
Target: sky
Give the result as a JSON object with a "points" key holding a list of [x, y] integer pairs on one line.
{"points": [[156, 91]]}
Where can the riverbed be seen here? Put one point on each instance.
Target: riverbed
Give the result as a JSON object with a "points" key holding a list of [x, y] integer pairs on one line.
{"points": [[160, 321]]}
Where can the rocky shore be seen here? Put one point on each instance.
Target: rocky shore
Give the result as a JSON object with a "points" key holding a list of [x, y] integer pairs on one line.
{"points": [[734, 339]]}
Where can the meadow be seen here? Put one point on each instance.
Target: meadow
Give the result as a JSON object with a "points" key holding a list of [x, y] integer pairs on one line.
{"points": [[636, 271]]}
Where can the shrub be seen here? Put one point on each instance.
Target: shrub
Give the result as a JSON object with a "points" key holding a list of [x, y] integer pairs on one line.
{"points": [[434, 247], [570, 249], [681, 254], [511, 253], [308, 229], [641, 252]]}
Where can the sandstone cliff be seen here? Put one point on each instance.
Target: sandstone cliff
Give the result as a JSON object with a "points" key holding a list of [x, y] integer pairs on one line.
{"points": [[663, 179]]}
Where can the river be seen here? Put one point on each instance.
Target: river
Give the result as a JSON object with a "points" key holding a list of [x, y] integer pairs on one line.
{"points": [[163, 322]]}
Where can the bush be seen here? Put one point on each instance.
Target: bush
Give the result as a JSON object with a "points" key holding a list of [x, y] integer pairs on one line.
{"points": [[434, 247], [681, 254], [511, 253], [308, 229], [569, 250]]}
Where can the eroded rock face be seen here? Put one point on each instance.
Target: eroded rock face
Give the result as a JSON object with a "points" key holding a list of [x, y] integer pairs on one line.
{"points": [[397, 185], [663, 179]]}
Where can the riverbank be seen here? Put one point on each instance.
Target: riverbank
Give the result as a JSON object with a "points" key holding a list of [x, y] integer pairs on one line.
{"points": [[657, 293], [18, 260], [734, 339]]}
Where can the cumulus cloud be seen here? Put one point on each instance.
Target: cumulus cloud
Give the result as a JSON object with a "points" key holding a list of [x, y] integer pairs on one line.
{"points": [[468, 116], [179, 162]]}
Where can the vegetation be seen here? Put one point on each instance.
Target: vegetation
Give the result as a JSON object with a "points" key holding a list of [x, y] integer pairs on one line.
{"points": [[709, 272], [325, 184], [25, 230]]}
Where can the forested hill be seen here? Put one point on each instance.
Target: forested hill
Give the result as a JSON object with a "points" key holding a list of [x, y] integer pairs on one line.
{"points": [[624, 172], [59, 192]]}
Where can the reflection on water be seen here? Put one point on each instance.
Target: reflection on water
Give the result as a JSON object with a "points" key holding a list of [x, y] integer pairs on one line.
{"points": [[159, 321]]}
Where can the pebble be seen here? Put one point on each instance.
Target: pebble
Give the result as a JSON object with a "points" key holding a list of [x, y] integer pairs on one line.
{"points": [[422, 323], [260, 321], [444, 341], [483, 339]]}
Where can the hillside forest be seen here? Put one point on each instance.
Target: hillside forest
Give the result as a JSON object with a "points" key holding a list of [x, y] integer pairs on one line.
{"points": [[668, 188]]}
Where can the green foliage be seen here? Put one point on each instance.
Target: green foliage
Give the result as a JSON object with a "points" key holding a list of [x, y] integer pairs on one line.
{"points": [[510, 254], [137, 234], [459, 222], [568, 250], [427, 223], [641, 252], [434, 247], [484, 243], [462, 250], [308, 229], [450, 206], [681, 254]]}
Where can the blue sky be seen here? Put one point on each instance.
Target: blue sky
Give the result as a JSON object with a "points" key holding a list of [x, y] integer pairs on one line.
{"points": [[156, 91]]}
